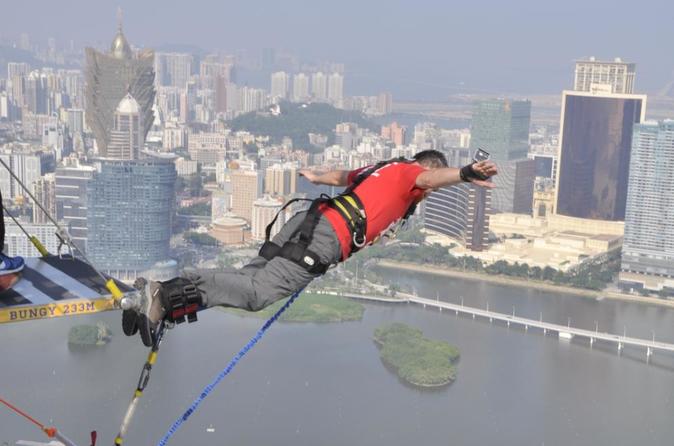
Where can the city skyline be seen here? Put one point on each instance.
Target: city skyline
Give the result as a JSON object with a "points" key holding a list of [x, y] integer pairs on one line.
{"points": [[497, 59]]}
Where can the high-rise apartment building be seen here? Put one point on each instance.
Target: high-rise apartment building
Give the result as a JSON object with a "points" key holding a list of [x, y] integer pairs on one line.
{"points": [[594, 156], [128, 136], [394, 132], [279, 85], [648, 247], [264, 211], [172, 69], [17, 69], [300, 87], [27, 165], [604, 77], [44, 190], [17, 244], [211, 70], [130, 205], [71, 179], [385, 103], [280, 179], [109, 77], [246, 188], [319, 86], [336, 88]]}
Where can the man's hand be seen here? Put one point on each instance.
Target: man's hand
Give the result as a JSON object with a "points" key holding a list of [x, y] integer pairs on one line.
{"points": [[486, 169], [330, 178], [308, 174]]}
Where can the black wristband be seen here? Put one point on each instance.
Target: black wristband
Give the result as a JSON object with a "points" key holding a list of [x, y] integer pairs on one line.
{"points": [[468, 174]]}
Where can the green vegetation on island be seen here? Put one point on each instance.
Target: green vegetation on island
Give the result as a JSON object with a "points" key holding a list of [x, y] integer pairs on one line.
{"points": [[417, 360], [312, 307], [296, 121], [86, 335]]}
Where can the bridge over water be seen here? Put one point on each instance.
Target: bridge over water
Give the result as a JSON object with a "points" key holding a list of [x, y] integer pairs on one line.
{"points": [[563, 331]]}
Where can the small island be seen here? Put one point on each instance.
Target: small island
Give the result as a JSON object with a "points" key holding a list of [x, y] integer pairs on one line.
{"points": [[312, 307], [89, 335], [417, 360]]}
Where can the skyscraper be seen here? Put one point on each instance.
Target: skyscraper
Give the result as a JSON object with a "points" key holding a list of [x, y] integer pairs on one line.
{"points": [[279, 85], [319, 86], [17, 69], [44, 190], [129, 212], [385, 103], [336, 88], [300, 87], [71, 181], [264, 211], [128, 136], [604, 77], [281, 179], [246, 188], [172, 69], [109, 77], [594, 156], [394, 132], [501, 127], [648, 248], [460, 212]]}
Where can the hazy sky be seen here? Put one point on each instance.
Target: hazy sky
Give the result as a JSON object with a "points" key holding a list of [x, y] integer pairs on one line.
{"points": [[425, 49]]}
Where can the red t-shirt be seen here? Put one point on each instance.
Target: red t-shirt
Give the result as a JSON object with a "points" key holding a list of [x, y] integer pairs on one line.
{"points": [[386, 195]]}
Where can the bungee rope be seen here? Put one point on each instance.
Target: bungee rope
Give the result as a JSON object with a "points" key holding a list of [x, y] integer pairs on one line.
{"points": [[234, 361], [142, 383], [50, 432]]}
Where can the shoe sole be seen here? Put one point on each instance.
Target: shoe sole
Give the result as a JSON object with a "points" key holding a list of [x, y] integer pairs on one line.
{"points": [[5, 272]]}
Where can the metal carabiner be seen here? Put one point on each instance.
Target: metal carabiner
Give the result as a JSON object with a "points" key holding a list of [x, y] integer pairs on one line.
{"points": [[358, 244]]}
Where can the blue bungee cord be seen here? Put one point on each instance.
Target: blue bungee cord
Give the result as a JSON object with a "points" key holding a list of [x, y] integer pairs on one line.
{"points": [[209, 388]]}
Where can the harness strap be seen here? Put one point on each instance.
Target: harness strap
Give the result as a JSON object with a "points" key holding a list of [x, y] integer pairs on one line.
{"points": [[298, 251]]}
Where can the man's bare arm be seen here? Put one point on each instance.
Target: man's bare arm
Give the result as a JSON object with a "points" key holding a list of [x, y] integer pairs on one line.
{"points": [[331, 178], [449, 176]]}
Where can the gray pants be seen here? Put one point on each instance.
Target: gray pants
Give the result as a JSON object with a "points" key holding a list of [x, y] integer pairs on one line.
{"points": [[261, 283]]}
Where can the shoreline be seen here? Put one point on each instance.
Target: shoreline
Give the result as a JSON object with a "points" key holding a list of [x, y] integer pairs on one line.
{"points": [[510, 281]]}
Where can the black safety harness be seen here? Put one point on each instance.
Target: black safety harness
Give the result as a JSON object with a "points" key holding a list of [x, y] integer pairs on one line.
{"points": [[347, 204]]}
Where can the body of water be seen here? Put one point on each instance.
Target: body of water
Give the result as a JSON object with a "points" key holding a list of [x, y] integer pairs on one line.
{"points": [[311, 384]]}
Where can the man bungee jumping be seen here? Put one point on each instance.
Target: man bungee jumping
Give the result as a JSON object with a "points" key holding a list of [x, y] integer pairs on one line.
{"points": [[377, 199]]}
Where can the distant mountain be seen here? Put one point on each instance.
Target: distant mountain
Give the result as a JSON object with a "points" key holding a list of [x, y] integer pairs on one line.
{"points": [[296, 121]]}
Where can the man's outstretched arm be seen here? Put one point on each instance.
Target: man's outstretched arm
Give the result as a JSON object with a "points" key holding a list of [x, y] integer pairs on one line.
{"points": [[449, 176], [331, 178]]}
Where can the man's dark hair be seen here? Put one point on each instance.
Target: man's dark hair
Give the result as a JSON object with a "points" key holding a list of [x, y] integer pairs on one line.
{"points": [[431, 158]]}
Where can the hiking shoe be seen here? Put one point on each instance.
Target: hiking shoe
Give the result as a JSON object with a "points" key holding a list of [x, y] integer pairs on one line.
{"points": [[9, 265]]}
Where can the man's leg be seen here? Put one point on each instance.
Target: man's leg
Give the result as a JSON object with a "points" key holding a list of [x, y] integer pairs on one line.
{"points": [[276, 279], [259, 262]]}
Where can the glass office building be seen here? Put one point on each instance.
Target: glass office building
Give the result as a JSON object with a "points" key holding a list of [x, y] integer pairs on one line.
{"points": [[594, 158], [130, 206], [501, 127]]}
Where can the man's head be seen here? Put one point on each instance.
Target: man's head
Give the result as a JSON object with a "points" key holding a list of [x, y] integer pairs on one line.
{"points": [[431, 159]]}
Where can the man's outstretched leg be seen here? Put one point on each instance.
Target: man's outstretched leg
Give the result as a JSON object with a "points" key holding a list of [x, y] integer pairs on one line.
{"points": [[257, 285]]}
